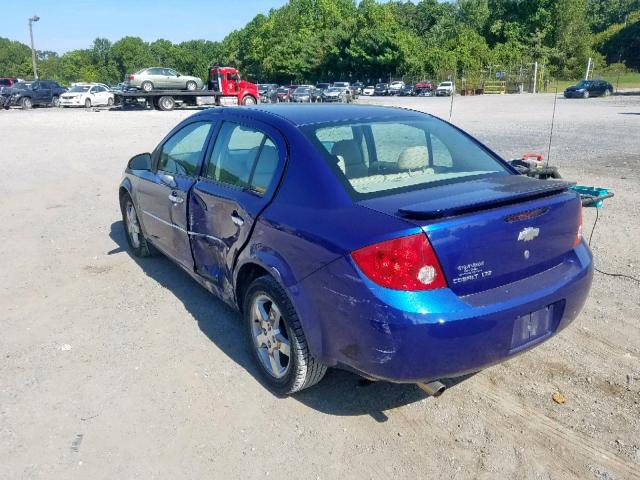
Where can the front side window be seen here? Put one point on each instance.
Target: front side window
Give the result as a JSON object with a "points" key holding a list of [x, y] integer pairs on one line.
{"points": [[182, 152], [243, 157], [377, 158]]}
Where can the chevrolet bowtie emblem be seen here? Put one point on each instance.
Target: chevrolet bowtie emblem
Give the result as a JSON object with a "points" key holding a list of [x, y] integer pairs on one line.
{"points": [[528, 234]]}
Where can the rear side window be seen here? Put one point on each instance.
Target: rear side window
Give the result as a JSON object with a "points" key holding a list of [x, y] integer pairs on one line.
{"points": [[243, 157], [182, 152], [378, 158]]}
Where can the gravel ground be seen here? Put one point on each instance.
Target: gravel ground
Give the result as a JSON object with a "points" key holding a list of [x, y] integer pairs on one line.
{"points": [[120, 368]]}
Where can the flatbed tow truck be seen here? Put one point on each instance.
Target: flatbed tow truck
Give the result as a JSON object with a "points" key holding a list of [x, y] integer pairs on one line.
{"points": [[224, 87]]}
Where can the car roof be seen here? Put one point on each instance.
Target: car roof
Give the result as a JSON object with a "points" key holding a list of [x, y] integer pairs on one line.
{"points": [[301, 115]]}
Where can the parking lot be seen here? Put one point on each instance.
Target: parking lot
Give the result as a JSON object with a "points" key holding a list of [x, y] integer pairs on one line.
{"points": [[115, 367]]}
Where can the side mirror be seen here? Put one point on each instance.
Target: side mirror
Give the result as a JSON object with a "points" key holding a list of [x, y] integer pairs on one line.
{"points": [[141, 161]]}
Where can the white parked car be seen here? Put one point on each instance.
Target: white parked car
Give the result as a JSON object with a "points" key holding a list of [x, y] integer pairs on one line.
{"points": [[445, 89], [368, 91], [396, 87], [87, 95]]}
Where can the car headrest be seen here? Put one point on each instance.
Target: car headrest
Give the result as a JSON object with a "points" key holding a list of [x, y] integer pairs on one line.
{"points": [[414, 158], [349, 151]]}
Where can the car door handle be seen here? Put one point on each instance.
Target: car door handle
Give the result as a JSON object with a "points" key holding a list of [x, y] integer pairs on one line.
{"points": [[175, 198], [237, 219]]}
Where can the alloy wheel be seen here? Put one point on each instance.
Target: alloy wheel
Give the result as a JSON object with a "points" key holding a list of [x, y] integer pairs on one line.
{"points": [[270, 337], [133, 226]]}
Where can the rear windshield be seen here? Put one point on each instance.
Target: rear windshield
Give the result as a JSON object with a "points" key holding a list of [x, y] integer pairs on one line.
{"points": [[377, 158], [5, 81]]}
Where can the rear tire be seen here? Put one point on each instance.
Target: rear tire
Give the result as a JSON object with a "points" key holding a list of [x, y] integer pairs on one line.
{"points": [[135, 238], [110, 102], [26, 103], [191, 85], [146, 86], [607, 92], [166, 103], [276, 339], [55, 101]]}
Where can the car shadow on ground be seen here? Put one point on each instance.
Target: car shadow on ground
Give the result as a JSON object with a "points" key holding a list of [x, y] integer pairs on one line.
{"points": [[340, 393]]}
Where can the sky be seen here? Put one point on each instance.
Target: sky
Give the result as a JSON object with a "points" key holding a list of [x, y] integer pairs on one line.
{"points": [[71, 24]]}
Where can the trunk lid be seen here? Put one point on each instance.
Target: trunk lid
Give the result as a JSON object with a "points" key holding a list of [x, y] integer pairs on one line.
{"points": [[493, 231]]}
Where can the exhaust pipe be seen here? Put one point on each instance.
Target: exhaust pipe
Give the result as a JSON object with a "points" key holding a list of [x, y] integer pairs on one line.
{"points": [[434, 389]]}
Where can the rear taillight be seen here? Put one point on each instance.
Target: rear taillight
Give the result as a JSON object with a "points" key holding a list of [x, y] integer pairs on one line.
{"points": [[131, 77], [576, 241], [406, 263]]}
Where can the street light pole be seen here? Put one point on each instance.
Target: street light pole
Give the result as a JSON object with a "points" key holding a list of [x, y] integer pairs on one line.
{"points": [[35, 18]]}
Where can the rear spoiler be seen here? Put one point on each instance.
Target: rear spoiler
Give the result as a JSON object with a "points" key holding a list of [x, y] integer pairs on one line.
{"points": [[448, 207]]}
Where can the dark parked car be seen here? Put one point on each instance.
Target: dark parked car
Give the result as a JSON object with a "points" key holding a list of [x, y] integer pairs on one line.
{"points": [[589, 88], [381, 89], [268, 92], [407, 91], [381, 240], [304, 94], [28, 94], [357, 87]]}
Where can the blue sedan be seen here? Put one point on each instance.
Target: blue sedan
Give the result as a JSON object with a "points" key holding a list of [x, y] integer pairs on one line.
{"points": [[380, 240]]}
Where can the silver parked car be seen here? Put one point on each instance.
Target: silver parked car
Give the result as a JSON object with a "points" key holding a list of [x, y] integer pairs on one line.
{"points": [[162, 78]]}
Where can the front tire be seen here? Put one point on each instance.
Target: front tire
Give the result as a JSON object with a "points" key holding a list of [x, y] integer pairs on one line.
{"points": [[248, 100], [191, 85], [135, 238], [276, 339], [87, 103], [585, 94]]}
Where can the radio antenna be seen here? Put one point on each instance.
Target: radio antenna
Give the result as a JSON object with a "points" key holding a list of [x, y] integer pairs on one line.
{"points": [[553, 117]]}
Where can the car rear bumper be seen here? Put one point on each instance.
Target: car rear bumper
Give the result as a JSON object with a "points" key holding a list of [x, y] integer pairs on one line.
{"points": [[421, 336]]}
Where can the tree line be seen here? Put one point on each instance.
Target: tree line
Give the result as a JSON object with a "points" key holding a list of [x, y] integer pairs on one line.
{"points": [[308, 40]]}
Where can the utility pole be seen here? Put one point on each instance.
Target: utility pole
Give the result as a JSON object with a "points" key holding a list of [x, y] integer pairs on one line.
{"points": [[35, 18], [586, 76], [535, 76]]}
